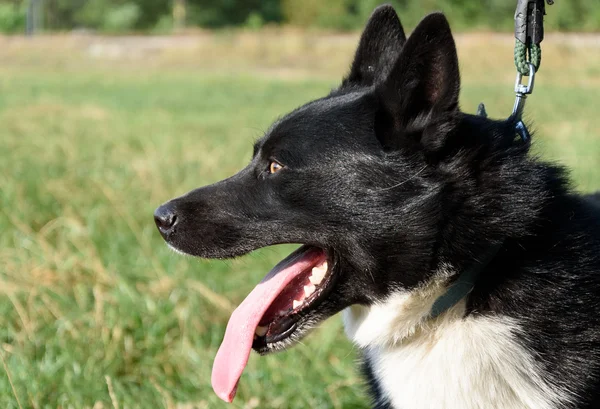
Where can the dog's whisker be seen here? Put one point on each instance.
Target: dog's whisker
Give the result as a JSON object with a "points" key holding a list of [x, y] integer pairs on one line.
{"points": [[404, 181]]}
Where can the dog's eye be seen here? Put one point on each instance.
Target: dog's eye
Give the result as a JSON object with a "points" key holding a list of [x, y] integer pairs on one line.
{"points": [[274, 167]]}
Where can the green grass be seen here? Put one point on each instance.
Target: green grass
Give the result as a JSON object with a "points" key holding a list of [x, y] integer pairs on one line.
{"points": [[95, 310]]}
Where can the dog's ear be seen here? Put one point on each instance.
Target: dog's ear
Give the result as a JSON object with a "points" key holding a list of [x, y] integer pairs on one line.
{"points": [[378, 49], [421, 91]]}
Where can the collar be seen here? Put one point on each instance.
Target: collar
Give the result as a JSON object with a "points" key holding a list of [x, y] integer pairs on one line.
{"points": [[464, 284]]}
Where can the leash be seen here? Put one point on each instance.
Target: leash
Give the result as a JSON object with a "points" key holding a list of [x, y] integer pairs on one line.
{"points": [[529, 33]]}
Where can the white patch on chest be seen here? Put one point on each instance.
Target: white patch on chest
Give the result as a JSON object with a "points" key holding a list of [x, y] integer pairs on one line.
{"points": [[450, 362]]}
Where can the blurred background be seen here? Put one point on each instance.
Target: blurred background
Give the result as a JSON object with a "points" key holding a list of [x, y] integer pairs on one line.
{"points": [[163, 16], [110, 107]]}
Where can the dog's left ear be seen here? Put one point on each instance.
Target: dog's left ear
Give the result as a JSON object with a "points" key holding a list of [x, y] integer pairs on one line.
{"points": [[379, 47], [421, 91]]}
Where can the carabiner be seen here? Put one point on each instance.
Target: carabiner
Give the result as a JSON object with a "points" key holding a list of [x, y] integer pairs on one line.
{"points": [[522, 90]]}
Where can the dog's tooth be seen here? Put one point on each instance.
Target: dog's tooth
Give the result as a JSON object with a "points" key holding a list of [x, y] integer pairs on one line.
{"points": [[296, 304], [317, 274], [309, 289], [261, 331]]}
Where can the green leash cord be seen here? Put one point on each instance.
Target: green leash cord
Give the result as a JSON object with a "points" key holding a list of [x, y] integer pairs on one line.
{"points": [[529, 33], [534, 52]]}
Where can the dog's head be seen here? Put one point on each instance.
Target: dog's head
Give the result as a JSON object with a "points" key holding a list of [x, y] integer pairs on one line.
{"points": [[360, 178]]}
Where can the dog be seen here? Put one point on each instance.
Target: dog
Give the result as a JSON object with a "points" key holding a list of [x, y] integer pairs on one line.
{"points": [[466, 270]]}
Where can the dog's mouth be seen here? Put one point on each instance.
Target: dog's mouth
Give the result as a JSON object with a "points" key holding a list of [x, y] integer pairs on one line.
{"points": [[273, 314], [299, 297]]}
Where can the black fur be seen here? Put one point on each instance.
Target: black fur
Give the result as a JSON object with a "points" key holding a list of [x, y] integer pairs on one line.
{"points": [[389, 176], [377, 395]]}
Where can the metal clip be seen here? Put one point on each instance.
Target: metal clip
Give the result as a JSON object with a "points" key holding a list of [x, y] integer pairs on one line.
{"points": [[481, 110], [522, 131], [522, 90]]}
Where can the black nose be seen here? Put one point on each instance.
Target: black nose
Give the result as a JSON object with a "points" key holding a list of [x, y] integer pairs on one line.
{"points": [[165, 219]]}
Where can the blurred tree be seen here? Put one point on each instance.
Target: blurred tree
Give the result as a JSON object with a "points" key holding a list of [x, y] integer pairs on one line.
{"points": [[340, 14], [163, 15], [151, 11], [568, 14], [119, 15], [212, 14], [12, 17], [179, 14], [121, 18]]}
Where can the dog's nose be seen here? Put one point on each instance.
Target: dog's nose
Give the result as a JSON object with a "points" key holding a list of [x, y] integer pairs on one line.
{"points": [[165, 219]]}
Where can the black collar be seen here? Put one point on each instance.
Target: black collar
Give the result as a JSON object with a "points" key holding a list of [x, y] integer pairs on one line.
{"points": [[464, 284]]}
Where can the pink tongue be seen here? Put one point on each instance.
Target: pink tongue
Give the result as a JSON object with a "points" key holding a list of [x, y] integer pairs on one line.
{"points": [[235, 349]]}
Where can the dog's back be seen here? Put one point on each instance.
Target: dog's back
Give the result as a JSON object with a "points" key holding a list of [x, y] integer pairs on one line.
{"points": [[594, 199]]}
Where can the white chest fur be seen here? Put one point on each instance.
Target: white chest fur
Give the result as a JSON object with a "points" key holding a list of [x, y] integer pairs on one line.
{"points": [[453, 362]]}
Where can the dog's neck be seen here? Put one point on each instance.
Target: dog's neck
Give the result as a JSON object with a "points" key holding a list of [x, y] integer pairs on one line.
{"points": [[401, 315], [410, 355], [405, 311]]}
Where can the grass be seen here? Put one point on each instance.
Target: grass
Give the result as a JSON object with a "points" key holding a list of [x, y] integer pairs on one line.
{"points": [[95, 311]]}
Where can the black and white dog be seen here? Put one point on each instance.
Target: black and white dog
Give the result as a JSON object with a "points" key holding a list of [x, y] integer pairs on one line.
{"points": [[467, 272]]}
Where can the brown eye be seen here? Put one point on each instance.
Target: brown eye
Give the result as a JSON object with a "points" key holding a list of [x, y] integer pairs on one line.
{"points": [[274, 167]]}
